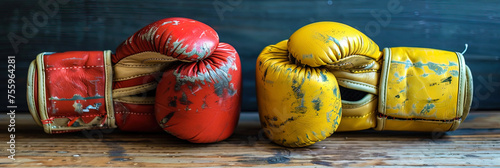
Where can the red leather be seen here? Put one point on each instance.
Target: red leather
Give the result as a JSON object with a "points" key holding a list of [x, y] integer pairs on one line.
{"points": [[207, 90], [135, 117], [180, 38], [74, 80], [200, 101]]}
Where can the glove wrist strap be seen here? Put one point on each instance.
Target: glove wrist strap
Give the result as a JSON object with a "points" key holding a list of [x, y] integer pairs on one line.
{"points": [[71, 91], [423, 90]]}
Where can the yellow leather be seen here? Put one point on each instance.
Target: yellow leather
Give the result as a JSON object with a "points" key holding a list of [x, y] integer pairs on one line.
{"points": [[359, 115], [361, 76], [414, 125], [298, 105], [325, 43], [423, 90], [402, 89]]}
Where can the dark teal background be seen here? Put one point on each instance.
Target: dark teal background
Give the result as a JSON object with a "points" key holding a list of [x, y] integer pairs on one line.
{"points": [[250, 25]]}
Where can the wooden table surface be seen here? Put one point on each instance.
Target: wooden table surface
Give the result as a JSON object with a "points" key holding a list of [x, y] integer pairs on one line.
{"points": [[475, 143]]}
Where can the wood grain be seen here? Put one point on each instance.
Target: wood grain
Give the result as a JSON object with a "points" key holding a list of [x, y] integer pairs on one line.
{"points": [[475, 143]]}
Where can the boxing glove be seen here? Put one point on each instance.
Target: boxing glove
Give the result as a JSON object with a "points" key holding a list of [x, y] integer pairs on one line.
{"points": [[74, 91], [402, 88], [298, 105], [200, 101]]}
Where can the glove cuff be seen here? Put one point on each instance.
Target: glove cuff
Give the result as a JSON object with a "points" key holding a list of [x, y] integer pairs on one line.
{"points": [[423, 90], [71, 91]]}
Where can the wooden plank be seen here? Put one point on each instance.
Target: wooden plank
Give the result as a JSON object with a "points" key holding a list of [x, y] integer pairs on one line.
{"points": [[475, 143]]}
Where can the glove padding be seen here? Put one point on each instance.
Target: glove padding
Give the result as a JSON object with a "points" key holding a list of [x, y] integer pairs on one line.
{"points": [[200, 101], [298, 105]]}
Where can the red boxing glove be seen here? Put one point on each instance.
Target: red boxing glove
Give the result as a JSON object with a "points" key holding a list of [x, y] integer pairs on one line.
{"points": [[72, 91], [198, 98], [200, 101]]}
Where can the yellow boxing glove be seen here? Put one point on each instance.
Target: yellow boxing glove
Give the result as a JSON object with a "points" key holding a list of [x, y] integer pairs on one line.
{"points": [[403, 88], [298, 105]]}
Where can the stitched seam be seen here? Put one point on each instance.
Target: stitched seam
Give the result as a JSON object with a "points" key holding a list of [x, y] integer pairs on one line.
{"points": [[128, 112], [64, 131], [134, 102], [362, 71], [93, 115], [417, 119], [42, 95], [142, 65], [161, 59], [74, 67], [135, 76], [362, 116], [31, 93], [383, 83], [357, 83], [110, 112], [338, 64], [355, 67]]}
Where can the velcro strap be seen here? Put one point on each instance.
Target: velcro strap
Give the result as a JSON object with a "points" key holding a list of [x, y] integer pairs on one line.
{"points": [[73, 91]]}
